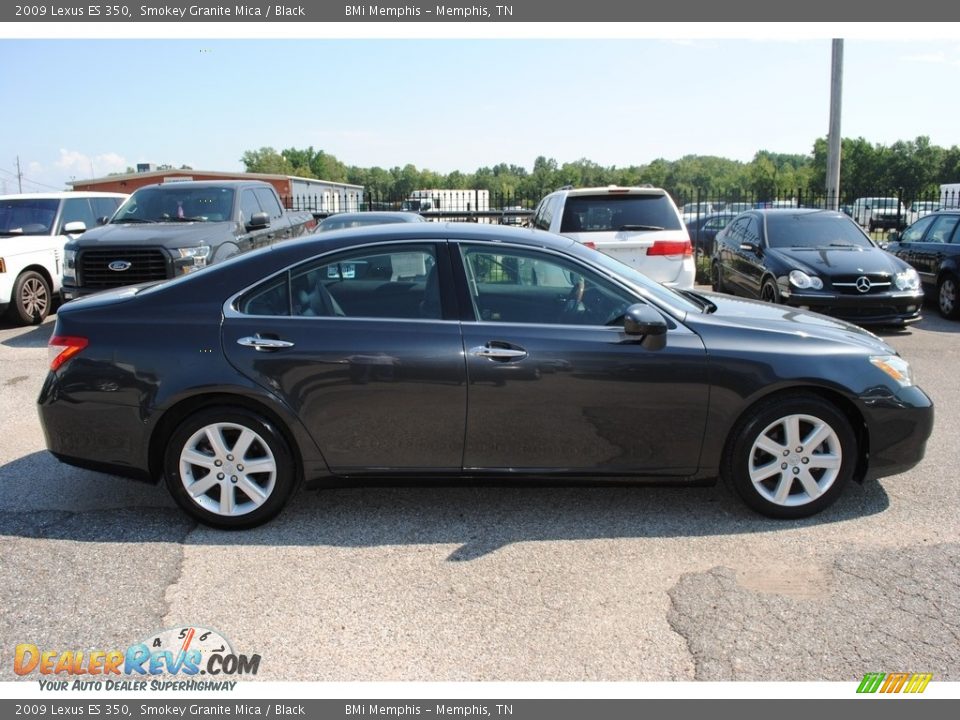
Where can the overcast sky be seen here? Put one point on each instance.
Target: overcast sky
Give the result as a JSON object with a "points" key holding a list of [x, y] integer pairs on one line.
{"points": [[85, 108]]}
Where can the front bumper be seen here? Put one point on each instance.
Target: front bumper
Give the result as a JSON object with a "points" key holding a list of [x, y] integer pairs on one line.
{"points": [[888, 308], [899, 427]]}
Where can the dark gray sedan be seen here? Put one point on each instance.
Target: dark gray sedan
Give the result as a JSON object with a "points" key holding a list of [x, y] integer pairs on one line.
{"points": [[438, 351]]}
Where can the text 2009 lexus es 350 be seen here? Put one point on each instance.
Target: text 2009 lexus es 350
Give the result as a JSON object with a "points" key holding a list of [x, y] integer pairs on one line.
{"points": [[434, 350]]}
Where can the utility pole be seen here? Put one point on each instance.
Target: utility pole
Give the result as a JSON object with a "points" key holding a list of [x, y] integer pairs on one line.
{"points": [[833, 139], [19, 177]]}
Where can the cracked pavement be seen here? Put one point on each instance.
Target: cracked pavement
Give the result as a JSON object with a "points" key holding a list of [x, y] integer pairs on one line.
{"points": [[493, 582]]}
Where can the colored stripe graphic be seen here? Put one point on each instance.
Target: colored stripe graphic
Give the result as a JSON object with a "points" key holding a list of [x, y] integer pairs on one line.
{"points": [[871, 682], [894, 683]]}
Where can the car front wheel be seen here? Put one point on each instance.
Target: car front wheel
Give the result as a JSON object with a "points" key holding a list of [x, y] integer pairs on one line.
{"points": [[229, 468], [947, 301], [791, 456], [770, 292], [31, 299]]}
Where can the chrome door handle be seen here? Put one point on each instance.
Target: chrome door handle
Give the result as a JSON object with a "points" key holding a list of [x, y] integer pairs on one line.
{"points": [[263, 344], [497, 353]]}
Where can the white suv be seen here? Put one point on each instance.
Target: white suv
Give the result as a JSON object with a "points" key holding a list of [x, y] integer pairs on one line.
{"points": [[33, 230], [639, 226]]}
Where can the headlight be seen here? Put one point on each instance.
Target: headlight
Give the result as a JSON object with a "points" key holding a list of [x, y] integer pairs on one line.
{"points": [[894, 366], [70, 264], [192, 258], [802, 281], [907, 280]]}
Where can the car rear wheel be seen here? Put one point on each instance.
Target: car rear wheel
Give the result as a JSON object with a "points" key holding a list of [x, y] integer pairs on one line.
{"points": [[791, 456], [769, 292], [229, 468], [947, 300], [31, 299]]}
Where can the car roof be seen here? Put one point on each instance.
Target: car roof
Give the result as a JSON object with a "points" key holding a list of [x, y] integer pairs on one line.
{"points": [[375, 214], [430, 232]]}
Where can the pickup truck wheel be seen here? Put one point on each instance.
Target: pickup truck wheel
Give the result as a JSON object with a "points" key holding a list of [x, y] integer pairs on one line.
{"points": [[31, 300], [229, 468], [947, 301], [791, 456]]}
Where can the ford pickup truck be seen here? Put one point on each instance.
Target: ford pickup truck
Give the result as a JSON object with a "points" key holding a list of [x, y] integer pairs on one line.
{"points": [[163, 231]]}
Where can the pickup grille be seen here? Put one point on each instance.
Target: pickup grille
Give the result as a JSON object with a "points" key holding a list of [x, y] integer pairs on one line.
{"points": [[146, 264]]}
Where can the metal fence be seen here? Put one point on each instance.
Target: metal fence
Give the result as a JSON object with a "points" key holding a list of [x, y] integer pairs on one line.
{"points": [[704, 212]]}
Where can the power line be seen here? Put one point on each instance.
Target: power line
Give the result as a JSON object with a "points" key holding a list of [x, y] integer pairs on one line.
{"points": [[21, 179]]}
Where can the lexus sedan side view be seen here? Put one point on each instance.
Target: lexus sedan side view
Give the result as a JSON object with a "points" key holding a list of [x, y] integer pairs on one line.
{"points": [[815, 260], [466, 351]]}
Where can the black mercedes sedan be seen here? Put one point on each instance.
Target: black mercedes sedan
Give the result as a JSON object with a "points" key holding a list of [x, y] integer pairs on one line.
{"points": [[439, 351], [815, 260]]}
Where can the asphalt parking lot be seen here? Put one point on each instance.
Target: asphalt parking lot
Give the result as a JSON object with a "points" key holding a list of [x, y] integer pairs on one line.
{"points": [[494, 582]]}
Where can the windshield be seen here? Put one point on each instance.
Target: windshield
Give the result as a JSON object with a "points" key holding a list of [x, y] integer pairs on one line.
{"points": [[173, 203], [606, 213], [814, 230], [27, 216]]}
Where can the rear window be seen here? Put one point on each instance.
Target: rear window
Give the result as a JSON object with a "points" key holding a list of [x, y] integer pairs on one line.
{"points": [[814, 230], [606, 213]]}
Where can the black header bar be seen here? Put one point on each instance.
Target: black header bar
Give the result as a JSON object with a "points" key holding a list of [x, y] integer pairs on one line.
{"points": [[736, 15]]}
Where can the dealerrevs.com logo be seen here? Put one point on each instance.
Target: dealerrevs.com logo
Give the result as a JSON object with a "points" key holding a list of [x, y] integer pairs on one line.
{"points": [[173, 659], [889, 683]]}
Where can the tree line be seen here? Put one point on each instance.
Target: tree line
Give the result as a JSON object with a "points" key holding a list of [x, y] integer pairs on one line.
{"points": [[914, 167]]}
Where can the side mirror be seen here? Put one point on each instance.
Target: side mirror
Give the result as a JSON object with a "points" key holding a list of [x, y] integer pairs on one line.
{"points": [[75, 228], [750, 247], [258, 220], [103, 220], [893, 236], [642, 321]]}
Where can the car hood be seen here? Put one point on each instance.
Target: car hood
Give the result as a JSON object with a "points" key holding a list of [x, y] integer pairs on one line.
{"points": [[770, 319], [189, 234], [829, 261]]}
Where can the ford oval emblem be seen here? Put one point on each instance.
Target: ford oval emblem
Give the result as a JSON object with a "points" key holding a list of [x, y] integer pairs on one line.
{"points": [[120, 265]]}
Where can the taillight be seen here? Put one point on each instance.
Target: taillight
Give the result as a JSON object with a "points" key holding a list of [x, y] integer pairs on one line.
{"points": [[671, 247], [590, 244], [63, 347]]}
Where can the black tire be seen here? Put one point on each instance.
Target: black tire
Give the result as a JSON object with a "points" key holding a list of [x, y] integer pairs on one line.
{"points": [[948, 296], [716, 278], [769, 292], [256, 496], [31, 300], [789, 482]]}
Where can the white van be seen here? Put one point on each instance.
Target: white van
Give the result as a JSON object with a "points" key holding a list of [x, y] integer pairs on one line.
{"points": [[33, 230]]}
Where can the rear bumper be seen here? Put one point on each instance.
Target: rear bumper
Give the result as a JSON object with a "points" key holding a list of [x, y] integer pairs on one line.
{"points": [[98, 436]]}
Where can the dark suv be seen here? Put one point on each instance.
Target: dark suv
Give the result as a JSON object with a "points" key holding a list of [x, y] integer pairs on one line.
{"points": [[932, 246]]}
